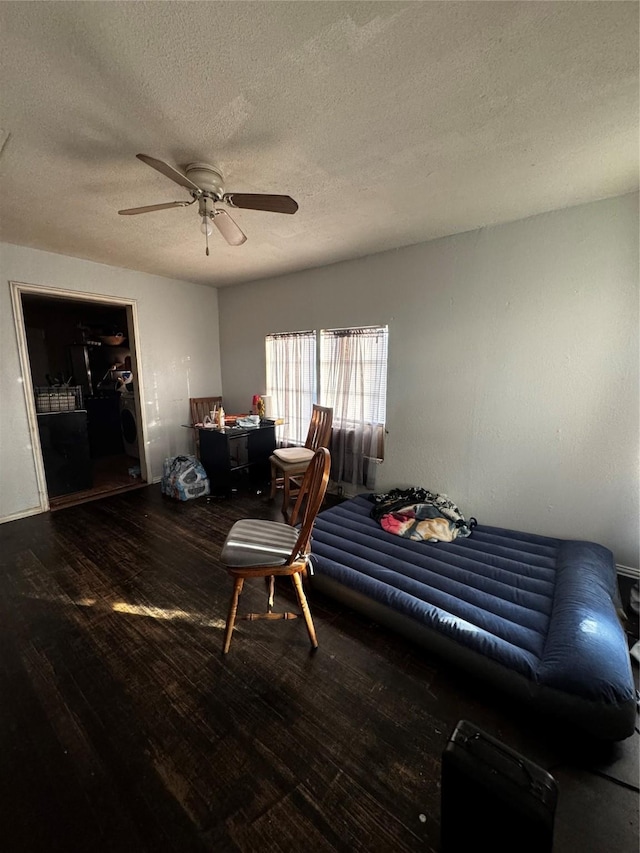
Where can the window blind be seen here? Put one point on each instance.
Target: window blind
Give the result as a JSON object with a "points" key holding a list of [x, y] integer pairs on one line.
{"points": [[353, 371], [291, 382]]}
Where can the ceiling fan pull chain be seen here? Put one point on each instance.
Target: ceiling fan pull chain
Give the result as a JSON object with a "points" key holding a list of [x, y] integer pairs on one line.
{"points": [[206, 236]]}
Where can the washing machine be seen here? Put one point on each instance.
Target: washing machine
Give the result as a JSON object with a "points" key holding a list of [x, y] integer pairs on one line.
{"points": [[129, 425]]}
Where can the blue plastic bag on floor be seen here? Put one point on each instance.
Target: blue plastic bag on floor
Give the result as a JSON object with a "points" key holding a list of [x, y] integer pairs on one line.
{"points": [[184, 478]]}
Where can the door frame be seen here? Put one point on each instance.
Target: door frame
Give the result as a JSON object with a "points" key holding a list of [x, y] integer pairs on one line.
{"points": [[18, 288]]}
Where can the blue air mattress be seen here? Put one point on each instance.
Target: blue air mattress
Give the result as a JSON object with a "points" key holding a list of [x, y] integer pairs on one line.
{"points": [[535, 616]]}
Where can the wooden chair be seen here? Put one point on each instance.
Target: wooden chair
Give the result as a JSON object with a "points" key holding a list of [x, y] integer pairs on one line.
{"points": [[288, 464], [200, 408], [256, 548]]}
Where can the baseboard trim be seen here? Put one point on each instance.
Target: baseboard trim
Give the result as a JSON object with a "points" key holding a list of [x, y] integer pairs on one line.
{"points": [[37, 510]]}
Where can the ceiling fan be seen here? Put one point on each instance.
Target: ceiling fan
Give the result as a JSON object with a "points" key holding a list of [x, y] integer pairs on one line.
{"points": [[205, 186]]}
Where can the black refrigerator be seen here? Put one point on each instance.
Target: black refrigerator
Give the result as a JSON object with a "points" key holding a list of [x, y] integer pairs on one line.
{"points": [[86, 367]]}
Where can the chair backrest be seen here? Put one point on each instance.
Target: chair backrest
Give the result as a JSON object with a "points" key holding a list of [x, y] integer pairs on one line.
{"points": [[311, 495], [201, 406], [319, 428]]}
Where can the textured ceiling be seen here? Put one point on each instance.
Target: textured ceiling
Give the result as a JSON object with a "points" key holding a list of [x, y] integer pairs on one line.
{"points": [[389, 123]]}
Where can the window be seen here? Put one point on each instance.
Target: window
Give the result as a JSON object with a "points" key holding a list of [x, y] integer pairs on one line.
{"points": [[291, 382], [353, 369], [353, 382]]}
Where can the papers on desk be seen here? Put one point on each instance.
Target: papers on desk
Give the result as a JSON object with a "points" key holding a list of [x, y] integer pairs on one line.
{"points": [[249, 421], [229, 421]]}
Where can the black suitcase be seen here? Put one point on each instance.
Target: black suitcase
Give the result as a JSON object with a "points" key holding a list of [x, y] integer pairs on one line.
{"points": [[493, 798]]}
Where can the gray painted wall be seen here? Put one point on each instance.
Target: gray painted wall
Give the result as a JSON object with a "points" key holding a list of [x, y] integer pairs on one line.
{"points": [[178, 348], [513, 365]]}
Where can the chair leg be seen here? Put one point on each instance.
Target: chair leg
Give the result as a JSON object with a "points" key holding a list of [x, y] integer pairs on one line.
{"points": [[270, 581], [286, 496], [302, 598], [274, 482], [233, 609]]}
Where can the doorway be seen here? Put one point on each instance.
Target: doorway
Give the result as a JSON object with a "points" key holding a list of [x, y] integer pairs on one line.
{"points": [[81, 372]]}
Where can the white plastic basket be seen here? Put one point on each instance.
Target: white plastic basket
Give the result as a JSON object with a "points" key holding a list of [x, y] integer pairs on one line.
{"points": [[64, 399]]}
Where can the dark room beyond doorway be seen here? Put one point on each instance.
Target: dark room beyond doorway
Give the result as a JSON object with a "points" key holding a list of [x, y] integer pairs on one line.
{"points": [[83, 375]]}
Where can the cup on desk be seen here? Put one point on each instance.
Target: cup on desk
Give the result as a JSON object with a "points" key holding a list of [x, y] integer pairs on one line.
{"points": [[213, 414]]}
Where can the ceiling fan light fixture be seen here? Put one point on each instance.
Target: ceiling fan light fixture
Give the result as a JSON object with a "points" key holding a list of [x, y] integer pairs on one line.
{"points": [[205, 226]]}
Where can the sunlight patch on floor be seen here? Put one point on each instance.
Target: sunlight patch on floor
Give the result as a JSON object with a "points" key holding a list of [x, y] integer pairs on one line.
{"points": [[162, 613], [199, 619]]}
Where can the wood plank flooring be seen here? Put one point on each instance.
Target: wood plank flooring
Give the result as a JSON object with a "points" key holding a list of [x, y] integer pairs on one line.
{"points": [[110, 475], [125, 729]]}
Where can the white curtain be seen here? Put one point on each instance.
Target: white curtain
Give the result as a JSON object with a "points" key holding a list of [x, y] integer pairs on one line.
{"points": [[353, 371], [291, 382]]}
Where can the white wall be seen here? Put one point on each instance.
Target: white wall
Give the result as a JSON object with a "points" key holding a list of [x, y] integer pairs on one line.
{"points": [[513, 365], [178, 347]]}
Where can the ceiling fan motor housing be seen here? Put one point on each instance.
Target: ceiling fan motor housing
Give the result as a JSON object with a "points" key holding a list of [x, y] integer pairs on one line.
{"points": [[206, 177]]}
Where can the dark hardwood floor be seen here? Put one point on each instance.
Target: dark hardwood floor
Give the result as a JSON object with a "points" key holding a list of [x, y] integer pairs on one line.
{"points": [[110, 475], [125, 729]]}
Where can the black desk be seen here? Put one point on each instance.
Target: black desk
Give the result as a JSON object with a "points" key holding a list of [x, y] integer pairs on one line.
{"points": [[230, 452]]}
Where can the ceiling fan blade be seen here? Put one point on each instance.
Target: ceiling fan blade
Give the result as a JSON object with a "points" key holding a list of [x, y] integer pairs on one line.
{"points": [[260, 201], [168, 171], [231, 232], [131, 210]]}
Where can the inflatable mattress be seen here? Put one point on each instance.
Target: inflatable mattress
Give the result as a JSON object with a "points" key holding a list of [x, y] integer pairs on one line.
{"points": [[535, 616]]}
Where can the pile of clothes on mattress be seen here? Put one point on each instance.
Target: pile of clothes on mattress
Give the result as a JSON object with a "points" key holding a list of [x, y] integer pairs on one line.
{"points": [[417, 513]]}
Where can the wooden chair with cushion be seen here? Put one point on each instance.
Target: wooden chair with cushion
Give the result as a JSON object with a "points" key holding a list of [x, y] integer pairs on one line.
{"points": [[200, 408], [288, 464], [256, 548]]}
